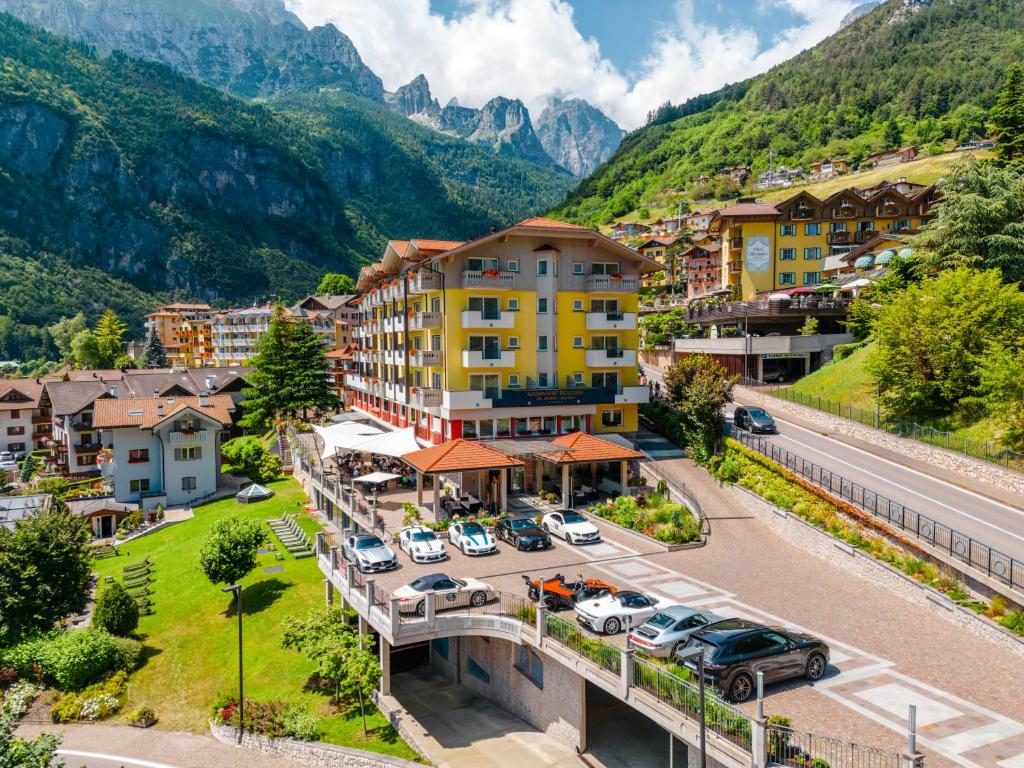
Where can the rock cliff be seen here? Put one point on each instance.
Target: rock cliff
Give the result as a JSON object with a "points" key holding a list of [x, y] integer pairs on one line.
{"points": [[577, 136]]}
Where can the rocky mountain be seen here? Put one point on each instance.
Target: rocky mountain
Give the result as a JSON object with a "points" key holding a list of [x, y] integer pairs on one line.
{"points": [[861, 10], [115, 167], [577, 136], [251, 48], [935, 66]]}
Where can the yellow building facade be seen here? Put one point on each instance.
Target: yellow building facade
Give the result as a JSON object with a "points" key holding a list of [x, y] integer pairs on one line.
{"points": [[531, 331], [777, 246]]}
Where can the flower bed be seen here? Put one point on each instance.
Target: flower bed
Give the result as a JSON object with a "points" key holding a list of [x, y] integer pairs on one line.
{"points": [[654, 515]]}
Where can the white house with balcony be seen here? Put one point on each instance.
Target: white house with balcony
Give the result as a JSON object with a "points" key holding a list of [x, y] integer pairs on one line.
{"points": [[164, 450]]}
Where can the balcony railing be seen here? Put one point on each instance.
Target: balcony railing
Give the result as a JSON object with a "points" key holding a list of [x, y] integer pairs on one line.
{"points": [[498, 358], [189, 436], [422, 321], [839, 238], [611, 321], [87, 447], [498, 280], [488, 319], [426, 357], [609, 284], [735, 267], [864, 235], [425, 397], [611, 358], [425, 281], [470, 398]]}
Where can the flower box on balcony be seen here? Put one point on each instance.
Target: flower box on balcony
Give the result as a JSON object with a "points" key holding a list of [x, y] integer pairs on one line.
{"points": [[490, 273], [616, 275]]}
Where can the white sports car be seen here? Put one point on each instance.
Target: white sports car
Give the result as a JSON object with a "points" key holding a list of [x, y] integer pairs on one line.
{"points": [[612, 612], [450, 593], [571, 526], [472, 538], [421, 544]]}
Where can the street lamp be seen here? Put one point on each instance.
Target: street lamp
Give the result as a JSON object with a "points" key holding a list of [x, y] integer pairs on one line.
{"points": [[237, 589], [682, 655]]}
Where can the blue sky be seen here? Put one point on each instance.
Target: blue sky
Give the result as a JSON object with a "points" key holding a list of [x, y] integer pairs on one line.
{"points": [[624, 56]]}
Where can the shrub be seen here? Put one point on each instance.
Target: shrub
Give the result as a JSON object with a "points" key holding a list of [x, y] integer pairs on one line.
{"points": [[999, 606], [73, 659], [18, 699], [412, 513], [116, 611], [142, 714], [300, 724], [130, 524], [1014, 621], [97, 702]]}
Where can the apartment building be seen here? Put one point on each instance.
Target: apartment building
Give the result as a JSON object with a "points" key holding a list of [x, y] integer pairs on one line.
{"points": [[703, 268], [184, 330], [657, 249], [337, 311], [24, 423], [234, 333], [164, 450], [528, 331], [773, 246]]}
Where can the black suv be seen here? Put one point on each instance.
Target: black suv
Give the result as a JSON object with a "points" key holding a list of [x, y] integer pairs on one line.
{"points": [[735, 650], [522, 532], [754, 420]]}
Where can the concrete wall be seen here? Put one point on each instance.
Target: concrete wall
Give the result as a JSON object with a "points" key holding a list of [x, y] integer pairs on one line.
{"points": [[558, 709], [204, 469], [22, 422], [126, 440]]}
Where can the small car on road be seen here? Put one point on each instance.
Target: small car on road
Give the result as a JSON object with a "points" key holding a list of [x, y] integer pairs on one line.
{"points": [[669, 629], [522, 533], [7, 461], [472, 538], [754, 420], [369, 553], [571, 526], [450, 593], [421, 544], [735, 650], [610, 613]]}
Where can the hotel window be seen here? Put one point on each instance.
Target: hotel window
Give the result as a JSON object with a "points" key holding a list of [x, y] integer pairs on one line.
{"points": [[812, 229], [485, 429], [513, 305], [513, 380], [522, 427], [604, 268], [542, 343], [513, 265], [15, 414], [811, 254], [417, 378], [138, 455], [21, 431], [447, 430], [577, 378], [513, 342], [542, 379], [612, 418], [577, 342], [572, 424], [188, 483], [787, 254], [487, 306], [435, 380], [435, 304], [812, 278], [15, 447], [901, 224], [611, 306], [577, 305], [787, 278], [479, 265], [788, 230], [542, 267], [577, 267], [139, 486], [469, 430], [601, 380], [837, 226], [542, 306], [503, 427], [607, 343]]}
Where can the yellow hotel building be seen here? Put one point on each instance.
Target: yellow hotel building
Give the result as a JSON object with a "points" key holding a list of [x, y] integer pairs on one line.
{"points": [[775, 246], [529, 331]]}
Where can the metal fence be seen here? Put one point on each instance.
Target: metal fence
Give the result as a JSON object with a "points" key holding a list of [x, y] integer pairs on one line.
{"points": [[985, 450], [974, 553], [605, 656], [720, 717], [680, 490], [790, 747]]}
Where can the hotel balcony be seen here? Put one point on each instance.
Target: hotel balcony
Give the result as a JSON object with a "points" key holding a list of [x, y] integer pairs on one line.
{"points": [[497, 280], [425, 397], [505, 358], [425, 281], [395, 324], [611, 321], [393, 356], [357, 331], [840, 237], [426, 357], [375, 386], [464, 399], [192, 436], [477, 319], [422, 321], [394, 390], [735, 267], [633, 395], [609, 284], [355, 381], [611, 358]]}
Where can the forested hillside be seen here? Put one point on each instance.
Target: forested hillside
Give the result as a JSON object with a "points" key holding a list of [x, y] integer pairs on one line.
{"points": [[171, 187], [933, 66]]}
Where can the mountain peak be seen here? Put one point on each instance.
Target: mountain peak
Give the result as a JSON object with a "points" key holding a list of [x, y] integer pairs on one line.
{"points": [[577, 135], [413, 98]]}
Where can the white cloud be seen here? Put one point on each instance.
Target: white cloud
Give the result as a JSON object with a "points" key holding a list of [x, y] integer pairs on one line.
{"points": [[531, 49]]}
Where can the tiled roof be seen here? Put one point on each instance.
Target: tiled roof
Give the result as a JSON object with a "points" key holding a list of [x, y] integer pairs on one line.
{"points": [[329, 300], [147, 412], [458, 455], [16, 394], [70, 397], [583, 447], [749, 209], [86, 507], [542, 223], [436, 245]]}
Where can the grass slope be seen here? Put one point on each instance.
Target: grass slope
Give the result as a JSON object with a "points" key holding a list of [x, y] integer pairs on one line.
{"points": [[844, 381], [191, 641]]}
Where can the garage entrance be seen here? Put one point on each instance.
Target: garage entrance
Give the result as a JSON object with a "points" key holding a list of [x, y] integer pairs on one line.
{"points": [[620, 737], [405, 658]]}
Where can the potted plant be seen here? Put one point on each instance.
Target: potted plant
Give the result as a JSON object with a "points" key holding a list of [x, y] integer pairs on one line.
{"points": [[616, 275], [143, 717], [490, 273]]}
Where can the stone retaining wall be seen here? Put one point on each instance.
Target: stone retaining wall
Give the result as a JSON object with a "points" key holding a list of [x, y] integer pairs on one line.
{"points": [[805, 536], [310, 753], [943, 459]]}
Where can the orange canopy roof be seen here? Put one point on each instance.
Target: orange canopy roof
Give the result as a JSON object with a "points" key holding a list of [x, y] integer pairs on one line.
{"points": [[581, 447], [457, 456]]}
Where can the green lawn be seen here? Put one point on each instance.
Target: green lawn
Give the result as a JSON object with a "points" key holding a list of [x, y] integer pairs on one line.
{"points": [[191, 641]]}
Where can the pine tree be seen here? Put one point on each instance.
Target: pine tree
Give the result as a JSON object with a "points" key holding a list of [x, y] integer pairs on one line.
{"points": [[271, 378], [109, 333], [154, 355], [311, 388], [28, 468], [893, 134], [1008, 116]]}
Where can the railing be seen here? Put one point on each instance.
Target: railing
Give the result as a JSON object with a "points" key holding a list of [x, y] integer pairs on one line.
{"points": [[609, 284], [787, 746], [720, 717], [572, 637], [986, 451], [982, 557], [502, 280]]}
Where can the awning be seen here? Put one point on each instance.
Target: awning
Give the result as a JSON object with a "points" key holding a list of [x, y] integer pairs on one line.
{"points": [[344, 437], [394, 444], [375, 478]]}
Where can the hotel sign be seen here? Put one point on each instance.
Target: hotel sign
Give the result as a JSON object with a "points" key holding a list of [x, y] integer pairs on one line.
{"points": [[759, 253], [529, 398]]}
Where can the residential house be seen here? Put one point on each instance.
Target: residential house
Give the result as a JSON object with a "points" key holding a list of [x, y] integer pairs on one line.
{"points": [[341, 310], [737, 175], [183, 329], [703, 268], [889, 157], [341, 363], [23, 423], [164, 450], [530, 330], [103, 515], [624, 229], [778, 178], [829, 168], [699, 219]]}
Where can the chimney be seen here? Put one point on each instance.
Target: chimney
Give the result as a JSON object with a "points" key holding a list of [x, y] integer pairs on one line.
{"points": [[113, 390], [204, 399], [209, 382]]}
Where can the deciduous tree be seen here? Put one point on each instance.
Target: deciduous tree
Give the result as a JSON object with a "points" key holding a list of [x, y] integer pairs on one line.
{"points": [[324, 637], [116, 611], [230, 551], [109, 335], [698, 386], [248, 456], [336, 284]]}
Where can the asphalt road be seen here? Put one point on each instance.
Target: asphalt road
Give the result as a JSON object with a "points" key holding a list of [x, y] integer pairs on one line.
{"points": [[74, 757], [992, 522]]}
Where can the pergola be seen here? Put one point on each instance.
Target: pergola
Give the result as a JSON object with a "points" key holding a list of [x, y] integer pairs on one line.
{"points": [[459, 456], [584, 448]]}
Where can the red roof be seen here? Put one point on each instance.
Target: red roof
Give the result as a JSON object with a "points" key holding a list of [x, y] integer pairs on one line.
{"points": [[436, 245], [541, 223], [459, 455], [750, 209], [583, 447]]}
